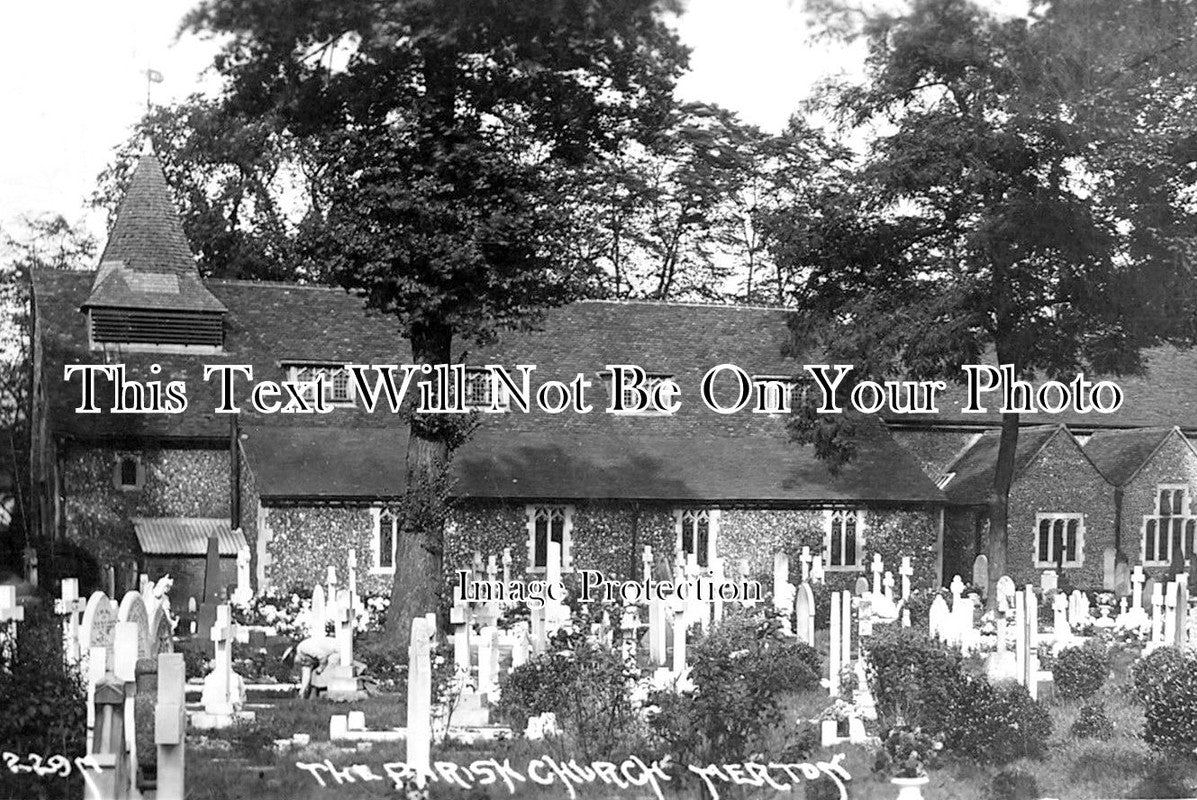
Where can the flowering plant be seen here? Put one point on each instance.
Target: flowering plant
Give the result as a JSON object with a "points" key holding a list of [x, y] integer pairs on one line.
{"points": [[907, 753]]}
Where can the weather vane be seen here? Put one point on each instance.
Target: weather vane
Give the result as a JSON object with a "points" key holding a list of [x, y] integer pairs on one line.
{"points": [[152, 76]]}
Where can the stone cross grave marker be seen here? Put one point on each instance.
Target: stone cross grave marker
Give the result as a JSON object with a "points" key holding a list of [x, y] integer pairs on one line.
{"points": [[244, 592], [1157, 614], [805, 559], [70, 606], [816, 569], [906, 570], [1137, 578], [459, 618], [220, 697], [488, 660], [1170, 600], [887, 584], [1060, 619], [330, 585]]}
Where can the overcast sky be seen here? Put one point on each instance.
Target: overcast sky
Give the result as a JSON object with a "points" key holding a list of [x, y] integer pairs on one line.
{"points": [[74, 82]]}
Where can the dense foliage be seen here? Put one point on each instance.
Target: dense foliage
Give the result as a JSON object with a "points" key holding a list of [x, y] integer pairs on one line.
{"points": [[1166, 683], [587, 686], [740, 674], [44, 707], [1079, 672]]}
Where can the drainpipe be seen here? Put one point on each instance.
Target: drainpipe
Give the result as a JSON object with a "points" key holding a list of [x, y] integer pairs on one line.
{"points": [[234, 474], [1118, 490]]}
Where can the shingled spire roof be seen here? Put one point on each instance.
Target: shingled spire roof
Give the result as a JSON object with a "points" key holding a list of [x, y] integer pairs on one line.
{"points": [[147, 263]]}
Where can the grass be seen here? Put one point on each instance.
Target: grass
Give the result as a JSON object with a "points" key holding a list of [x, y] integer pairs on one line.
{"points": [[243, 764]]}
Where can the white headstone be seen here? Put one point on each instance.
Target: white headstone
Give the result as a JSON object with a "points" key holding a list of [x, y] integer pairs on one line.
{"points": [[804, 615], [419, 697]]}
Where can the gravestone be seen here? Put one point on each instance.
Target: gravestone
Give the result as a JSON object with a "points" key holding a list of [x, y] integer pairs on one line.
{"points": [[170, 726], [132, 609], [319, 612], [1005, 591], [224, 689], [97, 629], [834, 651], [1109, 568], [1048, 581], [906, 571], [816, 569], [981, 572], [1122, 577], [804, 615], [70, 606], [878, 570], [860, 587], [1157, 615], [419, 696], [938, 618], [805, 560], [212, 590], [162, 631]]}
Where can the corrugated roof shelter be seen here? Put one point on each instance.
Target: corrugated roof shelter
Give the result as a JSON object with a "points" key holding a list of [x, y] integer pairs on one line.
{"points": [[186, 536]]}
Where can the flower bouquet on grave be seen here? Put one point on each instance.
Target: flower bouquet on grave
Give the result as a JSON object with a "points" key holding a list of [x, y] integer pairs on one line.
{"points": [[840, 711], [907, 752]]}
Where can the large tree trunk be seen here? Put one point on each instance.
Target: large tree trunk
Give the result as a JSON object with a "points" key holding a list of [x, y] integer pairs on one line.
{"points": [[419, 551], [999, 504]]}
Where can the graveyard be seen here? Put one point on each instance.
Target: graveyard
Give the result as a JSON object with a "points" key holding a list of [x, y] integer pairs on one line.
{"points": [[864, 685]]}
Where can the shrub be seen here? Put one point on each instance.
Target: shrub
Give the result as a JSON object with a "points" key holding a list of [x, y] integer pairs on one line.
{"points": [[1092, 722], [1166, 682], [585, 684], [740, 674], [1080, 672], [996, 724], [44, 706], [1014, 784], [910, 676], [907, 753], [384, 662]]}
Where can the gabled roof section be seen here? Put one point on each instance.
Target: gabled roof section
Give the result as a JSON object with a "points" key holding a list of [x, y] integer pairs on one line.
{"points": [[974, 469], [147, 263], [1120, 455]]}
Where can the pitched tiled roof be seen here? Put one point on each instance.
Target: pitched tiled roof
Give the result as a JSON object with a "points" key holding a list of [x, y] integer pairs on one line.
{"points": [[147, 234], [186, 536], [147, 263], [303, 462], [1119, 455], [1160, 397], [972, 481]]}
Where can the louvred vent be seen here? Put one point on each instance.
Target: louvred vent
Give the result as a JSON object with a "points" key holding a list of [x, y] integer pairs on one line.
{"points": [[178, 328]]}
